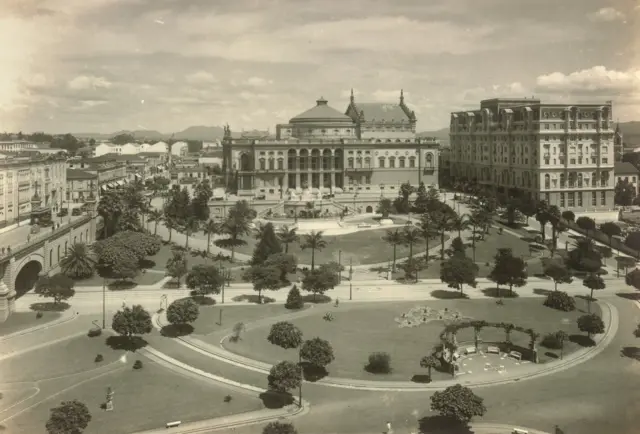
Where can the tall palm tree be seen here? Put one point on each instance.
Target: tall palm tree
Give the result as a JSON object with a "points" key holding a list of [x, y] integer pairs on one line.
{"points": [[314, 242], [155, 216], [426, 232], [411, 236], [234, 227], [395, 239], [190, 226], [210, 228], [287, 236], [542, 216], [79, 262], [460, 223], [170, 224], [443, 221], [258, 231], [555, 218]]}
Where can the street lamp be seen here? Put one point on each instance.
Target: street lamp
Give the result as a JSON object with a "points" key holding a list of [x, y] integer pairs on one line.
{"points": [[104, 303], [301, 379], [381, 190], [339, 266], [350, 278]]}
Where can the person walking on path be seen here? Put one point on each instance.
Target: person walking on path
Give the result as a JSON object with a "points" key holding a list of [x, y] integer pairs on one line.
{"points": [[388, 431]]}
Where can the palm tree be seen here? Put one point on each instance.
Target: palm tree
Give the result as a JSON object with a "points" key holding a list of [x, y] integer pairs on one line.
{"points": [[410, 236], [287, 236], [314, 242], [170, 224], [443, 220], [426, 232], [190, 226], [429, 362], [394, 238], [235, 227], [210, 228], [258, 231], [555, 218], [543, 218], [79, 263], [477, 328], [156, 216], [460, 223]]}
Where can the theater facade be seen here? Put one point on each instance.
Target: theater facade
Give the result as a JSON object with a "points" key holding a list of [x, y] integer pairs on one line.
{"points": [[370, 149]]}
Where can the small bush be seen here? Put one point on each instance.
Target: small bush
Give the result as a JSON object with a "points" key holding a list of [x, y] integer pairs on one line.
{"points": [[561, 301], [228, 398], [98, 358], [137, 364], [551, 341], [38, 315], [328, 316], [294, 299], [379, 363], [94, 331]]}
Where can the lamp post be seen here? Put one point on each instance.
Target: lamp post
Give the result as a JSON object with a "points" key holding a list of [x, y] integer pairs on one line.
{"points": [[301, 379], [339, 266], [222, 273], [104, 303], [350, 278]]}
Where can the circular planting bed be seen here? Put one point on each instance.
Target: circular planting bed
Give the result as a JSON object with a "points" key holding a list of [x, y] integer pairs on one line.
{"points": [[410, 331]]}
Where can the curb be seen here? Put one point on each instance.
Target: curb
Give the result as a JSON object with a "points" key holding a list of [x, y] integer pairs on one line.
{"points": [[368, 385], [500, 428], [62, 320]]}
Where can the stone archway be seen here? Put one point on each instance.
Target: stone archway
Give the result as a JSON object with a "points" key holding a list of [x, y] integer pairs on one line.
{"points": [[27, 277], [369, 209]]}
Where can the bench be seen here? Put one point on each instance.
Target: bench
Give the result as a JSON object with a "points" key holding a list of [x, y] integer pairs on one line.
{"points": [[519, 431], [516, 355], [470, 350], [173, 424], [493, 350]]}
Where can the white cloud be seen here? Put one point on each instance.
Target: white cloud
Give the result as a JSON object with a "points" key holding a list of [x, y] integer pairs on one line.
{"points": [[596, 79], [475, 94], [606, 15], [84, 82], [258, 81], [200, 78]]}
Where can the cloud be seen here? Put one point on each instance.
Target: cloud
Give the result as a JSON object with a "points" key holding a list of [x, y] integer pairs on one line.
{"points": [[85, 82], [258, 81], [598, 79], [475, 94], [200, 78], [606, 15]]}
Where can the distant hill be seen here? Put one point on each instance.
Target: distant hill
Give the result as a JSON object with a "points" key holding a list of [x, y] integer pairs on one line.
{"points": [[200, 133], [192, 133], [442, 134]]}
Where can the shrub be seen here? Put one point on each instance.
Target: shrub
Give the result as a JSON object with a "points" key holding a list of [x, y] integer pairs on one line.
{"points": [[560, 300], [94, 331], [98, 358], [328, 316], [137, 364], [379, 363], [294, 299], [551, 341], [228, 398], [38, 315]]}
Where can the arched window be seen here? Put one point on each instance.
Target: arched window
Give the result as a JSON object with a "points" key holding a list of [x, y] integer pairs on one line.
{"points": [[367, 162], [58, 253], [594, 179], [401, 162], [50, 257], [280, 163], [359, 162], [350, 163], [412, 161], [392, 161], [429, 160], [263, 164], [562, 180], [579, 179], [272, 164], [381, 162], [65, 248]]}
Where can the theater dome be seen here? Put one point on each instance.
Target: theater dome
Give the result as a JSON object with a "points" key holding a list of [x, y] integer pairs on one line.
{"points": [[321, 113]]}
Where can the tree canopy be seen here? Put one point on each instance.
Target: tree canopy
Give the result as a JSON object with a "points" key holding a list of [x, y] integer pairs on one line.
{"points": [[70, 417], [132, 321], [59, 287], [458, 403]]}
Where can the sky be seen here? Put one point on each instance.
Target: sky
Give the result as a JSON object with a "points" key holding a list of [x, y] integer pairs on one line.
{"points": [[107, 65]]}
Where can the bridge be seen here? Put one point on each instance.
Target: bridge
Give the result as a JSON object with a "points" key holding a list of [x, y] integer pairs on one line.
{"points": [[38, 254]]}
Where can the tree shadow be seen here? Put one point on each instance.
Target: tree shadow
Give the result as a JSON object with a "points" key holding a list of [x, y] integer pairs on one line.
{"points": [[253, 298], [443, 425], [551, 355], [582, 340], [443, 294], [50, 306], [121, 285], [319, 298], [274, 400], [381, 269], [171, 284], [633, 296], [539, 291], [126, 343], [147, 263], [541, 276], [631, 352], [312, 372], [176, 330], [421, 378], [201, 300], [500, 293]]}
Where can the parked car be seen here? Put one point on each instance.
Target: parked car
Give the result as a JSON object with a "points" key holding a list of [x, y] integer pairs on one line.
{"points": [[76, 212], [63, 212]]}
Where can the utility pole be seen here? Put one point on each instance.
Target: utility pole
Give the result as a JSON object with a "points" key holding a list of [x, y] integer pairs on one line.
{"points": [[104, 303], [339, 266], [350, 278]]}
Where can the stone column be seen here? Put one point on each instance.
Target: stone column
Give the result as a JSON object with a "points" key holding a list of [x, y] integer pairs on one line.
{"points": [[297, 168], [7, 290]]}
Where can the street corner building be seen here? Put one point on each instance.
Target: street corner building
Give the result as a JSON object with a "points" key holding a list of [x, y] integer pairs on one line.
{"points": [[350, 158], [561, 153]]}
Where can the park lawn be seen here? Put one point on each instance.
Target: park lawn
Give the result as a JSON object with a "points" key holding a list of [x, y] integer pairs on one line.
{"points": [[71, 356], [143, 399], [207, 322], [363, 247], [360, 330], [19, 321], [13, 396], [142, 279]]}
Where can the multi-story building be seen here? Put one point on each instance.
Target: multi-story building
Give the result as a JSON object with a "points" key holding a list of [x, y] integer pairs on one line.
{"points": [[627, 172], [23, 179], [370, 147], [110, 174], [560, 153], [17, 145], [80, 185], [130, 148]]}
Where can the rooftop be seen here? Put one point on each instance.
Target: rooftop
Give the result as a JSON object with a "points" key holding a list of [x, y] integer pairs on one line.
{"points": [[80, 174], [322, 112], [625, 167]]}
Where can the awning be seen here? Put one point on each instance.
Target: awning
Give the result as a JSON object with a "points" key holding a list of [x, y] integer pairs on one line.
{"points": [[137, 176], [103, 187], [121, 182], [111, 184]]}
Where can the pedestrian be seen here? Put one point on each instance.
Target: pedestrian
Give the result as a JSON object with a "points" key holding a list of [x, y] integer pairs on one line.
{"points": [[337, 302], [388, 427]]}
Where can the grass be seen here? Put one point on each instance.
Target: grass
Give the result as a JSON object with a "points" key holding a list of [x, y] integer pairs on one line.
{"points": [[143, 278], [23, 320], [207, 322], [364, 247], [374, 329], [65, 358], [144, 399]]}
